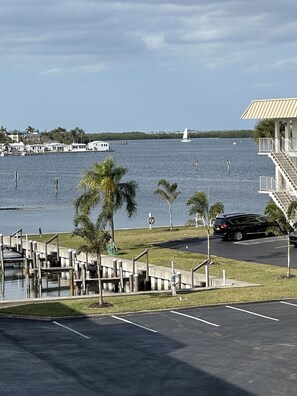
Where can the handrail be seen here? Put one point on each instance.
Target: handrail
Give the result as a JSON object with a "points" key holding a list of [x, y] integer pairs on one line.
{"points": [[266, 145], [147, 263], [20, 231], [267, 183], [286, 146], [205, 262], [46, 244]]}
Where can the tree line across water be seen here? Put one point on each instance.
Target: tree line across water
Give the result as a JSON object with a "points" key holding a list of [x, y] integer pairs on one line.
{"points": [[78, 135]]}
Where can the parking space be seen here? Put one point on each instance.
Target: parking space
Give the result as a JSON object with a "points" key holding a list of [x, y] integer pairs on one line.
{"points": [[247, 349], [269, 250]]}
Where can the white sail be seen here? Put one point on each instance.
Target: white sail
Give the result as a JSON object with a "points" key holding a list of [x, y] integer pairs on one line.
{"points": [[185, 138]]}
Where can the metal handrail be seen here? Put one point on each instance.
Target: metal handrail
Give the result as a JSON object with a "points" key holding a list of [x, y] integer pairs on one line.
{"points": [[266, 145], [267, 183], [18, 234], [147, 263], [46, 244]]}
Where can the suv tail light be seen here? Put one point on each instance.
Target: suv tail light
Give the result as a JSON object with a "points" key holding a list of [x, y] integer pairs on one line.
{"points": [[224, 226]]}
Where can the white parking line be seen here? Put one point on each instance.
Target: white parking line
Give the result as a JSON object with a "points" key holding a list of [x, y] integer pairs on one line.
{"points": [[193, 317], [73, 331], [252, 313], [285, 302], [134, 324]]}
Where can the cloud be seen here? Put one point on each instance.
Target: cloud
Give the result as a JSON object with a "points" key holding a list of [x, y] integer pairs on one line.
{"points": [[266, 85], [54, 70], [88, 32], [93, 68]]}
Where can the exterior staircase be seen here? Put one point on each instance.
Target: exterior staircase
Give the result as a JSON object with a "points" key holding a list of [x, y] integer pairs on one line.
{"points": [[286, 167], [282, 198], [289, 171]]}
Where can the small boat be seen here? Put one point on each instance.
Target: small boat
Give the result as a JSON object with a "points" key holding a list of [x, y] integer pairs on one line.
{"points": [[185, 138]]}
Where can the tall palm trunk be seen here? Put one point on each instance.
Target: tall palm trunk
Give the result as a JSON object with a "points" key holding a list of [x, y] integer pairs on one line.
{"points": [[289, 258], [170, 217], [208, 245], [101, 302], [111, 228]]}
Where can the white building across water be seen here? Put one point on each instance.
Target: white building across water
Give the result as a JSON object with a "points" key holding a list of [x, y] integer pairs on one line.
{"points": [[282, 148], [53, 147]]}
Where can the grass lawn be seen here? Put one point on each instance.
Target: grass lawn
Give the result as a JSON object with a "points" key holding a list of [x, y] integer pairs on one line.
{"points": [[272, 279]]}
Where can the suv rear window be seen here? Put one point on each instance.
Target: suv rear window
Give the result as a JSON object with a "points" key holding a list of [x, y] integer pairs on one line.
{"points": [[219, 221]]}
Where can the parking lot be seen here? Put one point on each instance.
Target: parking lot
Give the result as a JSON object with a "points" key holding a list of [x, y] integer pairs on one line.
{"points": [[247, 349], [268, 250]]}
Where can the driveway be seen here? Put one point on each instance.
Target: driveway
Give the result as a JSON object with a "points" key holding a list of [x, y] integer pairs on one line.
{"points": [[269, 250]]}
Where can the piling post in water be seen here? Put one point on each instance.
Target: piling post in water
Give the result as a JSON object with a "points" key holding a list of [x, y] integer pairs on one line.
{"points": [[71, 283], [83, 278], [39, 279], [16, 179], [130, 282], [136, 282], [70, 258], [56, 182], [114, 265], [27, 274]]}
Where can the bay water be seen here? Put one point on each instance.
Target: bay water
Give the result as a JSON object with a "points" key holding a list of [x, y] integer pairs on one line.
{"points": [[202, 164], [226, 169]]}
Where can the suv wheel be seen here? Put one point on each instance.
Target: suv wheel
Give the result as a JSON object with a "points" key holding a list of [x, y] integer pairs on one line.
{"points": [[238, 235]]}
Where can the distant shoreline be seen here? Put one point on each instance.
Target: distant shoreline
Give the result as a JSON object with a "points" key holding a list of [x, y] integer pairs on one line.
{"points": [[124, 136]]}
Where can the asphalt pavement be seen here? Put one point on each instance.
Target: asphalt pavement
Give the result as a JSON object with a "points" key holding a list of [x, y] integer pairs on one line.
{"points": [[267, 250], [246, 349]]}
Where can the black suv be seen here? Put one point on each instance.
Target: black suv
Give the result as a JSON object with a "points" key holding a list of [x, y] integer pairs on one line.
{"points": [[239, 225]]}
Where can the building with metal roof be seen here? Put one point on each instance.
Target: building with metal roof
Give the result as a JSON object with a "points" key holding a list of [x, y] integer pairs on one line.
{"points": [[271, 108], [282, 148]]}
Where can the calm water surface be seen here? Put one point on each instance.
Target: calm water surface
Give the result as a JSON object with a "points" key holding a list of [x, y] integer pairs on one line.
{"points": [[147, 162]]}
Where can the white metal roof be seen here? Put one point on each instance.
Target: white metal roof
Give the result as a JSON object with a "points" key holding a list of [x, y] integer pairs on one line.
{"points": [[271, 108]]}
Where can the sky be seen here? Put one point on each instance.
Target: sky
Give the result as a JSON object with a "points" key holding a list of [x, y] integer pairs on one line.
{"points": [[145, 65]]}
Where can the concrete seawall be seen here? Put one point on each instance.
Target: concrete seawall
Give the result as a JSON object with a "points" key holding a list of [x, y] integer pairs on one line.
{"points": [[160, 278]]}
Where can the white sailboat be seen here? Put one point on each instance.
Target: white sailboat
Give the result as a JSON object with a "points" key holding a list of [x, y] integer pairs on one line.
{"points": [[185, 138]]}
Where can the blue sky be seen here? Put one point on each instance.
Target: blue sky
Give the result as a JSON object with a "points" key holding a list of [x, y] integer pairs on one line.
{"points": [[143, 65]]}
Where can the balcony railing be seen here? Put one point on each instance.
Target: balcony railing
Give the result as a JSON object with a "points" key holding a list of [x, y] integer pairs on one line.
{"points": [[267, 184], [266, 145]]}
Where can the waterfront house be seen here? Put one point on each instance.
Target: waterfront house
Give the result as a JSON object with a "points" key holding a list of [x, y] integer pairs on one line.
{"points": [[282, 148], [98, 145], [76, 147], [56, 147], [17, 148], [35, 148]]}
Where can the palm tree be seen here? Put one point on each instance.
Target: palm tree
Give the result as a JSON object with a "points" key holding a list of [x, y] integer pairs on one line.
{"points": [[199, 205], [169, 194], [275, 214], [266, 129], [95, 240], [291, 214], [102, 184]]}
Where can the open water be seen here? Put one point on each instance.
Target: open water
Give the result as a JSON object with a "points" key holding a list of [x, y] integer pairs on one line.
{"points": [[202, 164], [198, 165]]}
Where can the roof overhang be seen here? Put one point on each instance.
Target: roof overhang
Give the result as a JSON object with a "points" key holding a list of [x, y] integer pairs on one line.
{"points": [[271, 108]]}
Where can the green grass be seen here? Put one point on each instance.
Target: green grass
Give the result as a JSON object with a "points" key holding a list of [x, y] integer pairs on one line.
{"points": [[272, 279]]}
